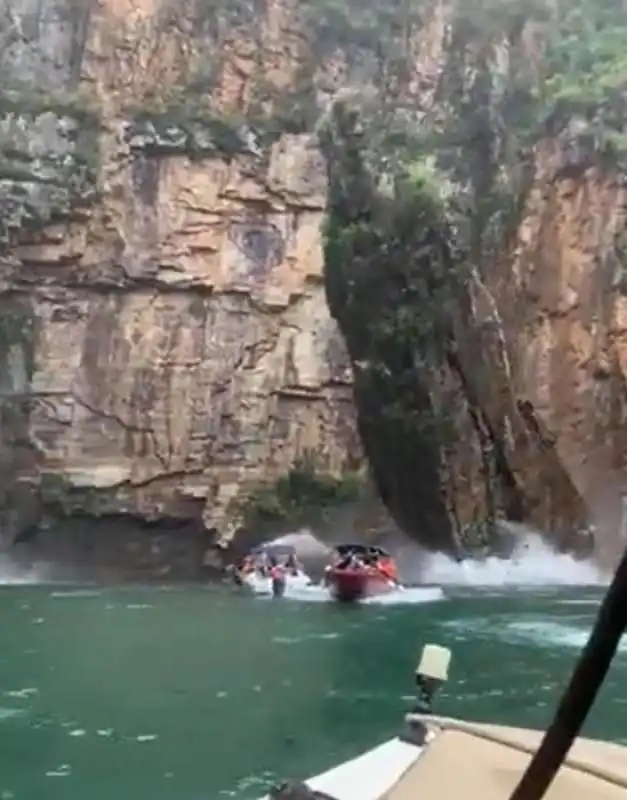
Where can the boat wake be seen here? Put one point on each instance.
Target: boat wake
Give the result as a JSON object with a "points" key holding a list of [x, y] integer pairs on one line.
{"points": [[315, 593]]}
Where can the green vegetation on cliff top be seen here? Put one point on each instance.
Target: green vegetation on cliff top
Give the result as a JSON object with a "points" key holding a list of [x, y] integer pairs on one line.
{"points": [[540, 63]]}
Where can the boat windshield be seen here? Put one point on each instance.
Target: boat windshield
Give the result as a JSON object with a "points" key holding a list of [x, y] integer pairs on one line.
{"points": [[361, 550]]}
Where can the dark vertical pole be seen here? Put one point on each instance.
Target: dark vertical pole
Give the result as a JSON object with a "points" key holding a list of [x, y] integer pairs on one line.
{"points": [[581, 692]]}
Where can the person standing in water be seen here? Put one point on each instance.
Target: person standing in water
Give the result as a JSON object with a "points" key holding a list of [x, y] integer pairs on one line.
{"points": [[277, 577]]}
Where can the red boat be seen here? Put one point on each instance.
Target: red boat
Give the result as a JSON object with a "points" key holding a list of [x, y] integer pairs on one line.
{"points": [[359, 571]]}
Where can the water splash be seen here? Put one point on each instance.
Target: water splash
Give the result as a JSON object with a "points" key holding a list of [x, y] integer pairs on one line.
{"points": [[532, 564], [304, 543], [13, 575]]}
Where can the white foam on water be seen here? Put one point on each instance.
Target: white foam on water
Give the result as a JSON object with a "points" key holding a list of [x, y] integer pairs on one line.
{"points": [[414, 595], [8, 713], [12, 575], [553, 634], [530, 629], [21, 694], [581, 601], [315, 593], [532, 564], [62, 771]]}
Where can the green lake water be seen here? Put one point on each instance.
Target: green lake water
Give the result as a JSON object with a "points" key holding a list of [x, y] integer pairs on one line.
{"points": [[191, 692]]}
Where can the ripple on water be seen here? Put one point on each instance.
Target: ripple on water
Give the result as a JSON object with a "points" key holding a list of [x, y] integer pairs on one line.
{"points": [[21, 694], [9, 713], [62, 771], [531, 629], [580, 601], [325, 636], [554, 633]]}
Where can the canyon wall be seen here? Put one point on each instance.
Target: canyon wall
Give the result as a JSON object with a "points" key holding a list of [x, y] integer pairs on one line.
{"points": [[166, 349], [476, 273]]}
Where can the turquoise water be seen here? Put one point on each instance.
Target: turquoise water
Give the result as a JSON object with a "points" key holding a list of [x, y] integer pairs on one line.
{"points": [[188, 693]]}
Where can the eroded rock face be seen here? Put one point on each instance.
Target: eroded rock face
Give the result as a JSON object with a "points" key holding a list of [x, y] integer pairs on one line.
{"points": [[166, 344]]}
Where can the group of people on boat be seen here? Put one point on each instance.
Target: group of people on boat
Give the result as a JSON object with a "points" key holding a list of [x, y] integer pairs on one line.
{"points": [[355, 571], [363, 559], [266, 564]]}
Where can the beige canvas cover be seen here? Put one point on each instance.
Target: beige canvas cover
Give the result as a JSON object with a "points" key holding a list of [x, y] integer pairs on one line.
{"points": [[485, 762]]}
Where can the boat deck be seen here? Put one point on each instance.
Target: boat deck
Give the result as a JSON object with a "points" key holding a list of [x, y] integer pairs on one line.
{"points": [[474, 761], [486, 762]]}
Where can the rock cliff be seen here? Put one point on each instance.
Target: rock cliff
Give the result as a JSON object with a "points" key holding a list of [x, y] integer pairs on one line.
{"points": [[166, 348], [476, 274]]}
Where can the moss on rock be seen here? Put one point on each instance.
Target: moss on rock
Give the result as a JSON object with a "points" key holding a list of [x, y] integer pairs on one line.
{"points": [[185, 127], [301, 496], [48, 159]]}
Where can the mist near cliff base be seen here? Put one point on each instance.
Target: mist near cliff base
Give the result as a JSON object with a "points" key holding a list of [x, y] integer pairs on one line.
{"points": [[532, 563]]}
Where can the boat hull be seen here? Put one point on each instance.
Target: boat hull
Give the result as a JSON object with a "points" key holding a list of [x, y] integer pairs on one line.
{"points": [[352, 585], [263, 585]]}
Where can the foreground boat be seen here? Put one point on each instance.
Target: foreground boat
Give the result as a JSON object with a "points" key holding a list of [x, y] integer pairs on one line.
{"points": [[469, 760], [359, 571], [436, 758]]}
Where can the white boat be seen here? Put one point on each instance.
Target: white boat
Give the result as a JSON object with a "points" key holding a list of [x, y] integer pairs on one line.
{"points": [[441, 758], [263, 585], [256, 575]]}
